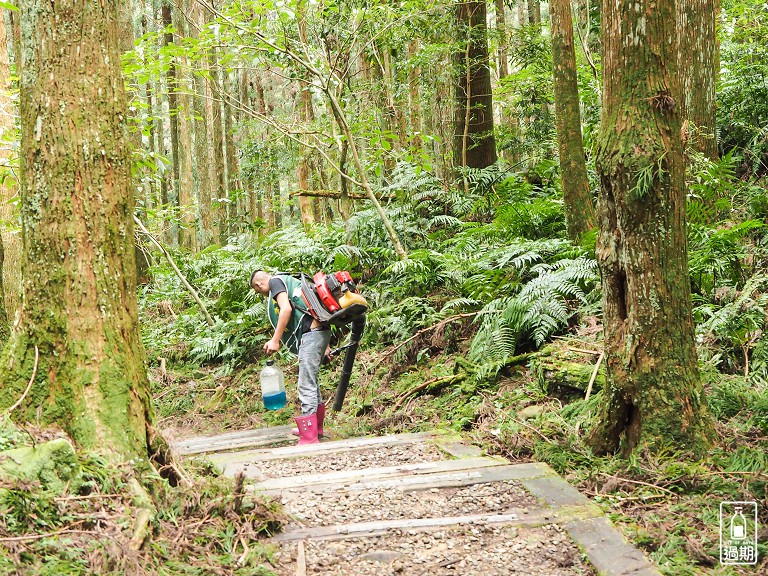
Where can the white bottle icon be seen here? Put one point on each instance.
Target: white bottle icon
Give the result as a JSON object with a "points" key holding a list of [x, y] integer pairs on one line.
{"points": [[738, 525]]}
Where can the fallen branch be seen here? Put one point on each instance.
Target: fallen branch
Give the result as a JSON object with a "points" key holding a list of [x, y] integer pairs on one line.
{"points": [[45, 535], [29, 385], [584, 351], [335, 194], [437, 382], [176, 269], [594, 375]]}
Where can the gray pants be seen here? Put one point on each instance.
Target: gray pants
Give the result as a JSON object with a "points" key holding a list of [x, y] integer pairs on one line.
{"points": [[311, 352]]}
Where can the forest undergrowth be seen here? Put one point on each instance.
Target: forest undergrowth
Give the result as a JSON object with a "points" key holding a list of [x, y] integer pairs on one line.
{"points": [[484, 329], [491, 327]]}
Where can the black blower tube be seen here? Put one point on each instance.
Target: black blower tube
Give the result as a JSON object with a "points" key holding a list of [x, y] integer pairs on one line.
{"points": [[356, 335]]}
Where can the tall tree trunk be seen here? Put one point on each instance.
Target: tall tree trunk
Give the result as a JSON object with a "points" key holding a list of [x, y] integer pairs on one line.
{"points": [[234, 191], [79, 306], [160, 146], [579, 211], [534, 12], [414, 96], [10, 245], [271, 199], [654, 397], [150, 196], [699, 65], [185, 185], [5, 327], [522, 15], [508, 118], [305, 116], [204, 177], [173, 113], [395, 105], [213, 84], [474, 142], [501, 30]]}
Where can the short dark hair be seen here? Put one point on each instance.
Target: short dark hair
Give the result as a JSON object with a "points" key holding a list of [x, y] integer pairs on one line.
{"points": [[250, 281]]}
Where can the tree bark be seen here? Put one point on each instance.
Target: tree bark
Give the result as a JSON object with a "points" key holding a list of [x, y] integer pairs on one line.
{"points": [[79, 291], [474, 142], [579, 211], [654, 396], [501, 29], [306, 115], [534, 12], [221, 206], [204, 178], [699, 65], [173, 114], [185, 185], [231, 170], [414, 96], [10, 246], [5, 327]]}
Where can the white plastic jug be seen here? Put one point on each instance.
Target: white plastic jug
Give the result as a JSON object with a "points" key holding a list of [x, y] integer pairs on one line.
{"points": [[272, 386]]}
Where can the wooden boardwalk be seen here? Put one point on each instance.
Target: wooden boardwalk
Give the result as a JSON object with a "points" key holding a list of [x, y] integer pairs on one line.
{"points": [[352, 470]]}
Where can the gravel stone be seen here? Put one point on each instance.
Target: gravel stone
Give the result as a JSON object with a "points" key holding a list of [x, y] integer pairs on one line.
{"points": [[380, 456], [462, 551], [325, 509]]}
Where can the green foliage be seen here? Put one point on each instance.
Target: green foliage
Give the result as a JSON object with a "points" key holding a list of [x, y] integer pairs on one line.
{"points": [[733, 325], [742, 93], [528, 91], [544, 289]]}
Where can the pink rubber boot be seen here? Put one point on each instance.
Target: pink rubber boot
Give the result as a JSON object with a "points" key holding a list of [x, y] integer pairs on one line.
{"points": [[320, 419], [307, 429]]}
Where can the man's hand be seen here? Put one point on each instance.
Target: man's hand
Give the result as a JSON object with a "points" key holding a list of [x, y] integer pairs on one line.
{"points": [[272, 346], [328, 356]]}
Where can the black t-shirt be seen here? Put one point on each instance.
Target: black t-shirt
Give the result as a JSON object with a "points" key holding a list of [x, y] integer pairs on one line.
{"points": [[276, 286]]}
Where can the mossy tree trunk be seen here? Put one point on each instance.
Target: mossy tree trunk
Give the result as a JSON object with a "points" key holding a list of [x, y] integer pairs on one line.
{"points": [[79, 278], [699, 65], [579, 211], [474, 142], [654, 396]]}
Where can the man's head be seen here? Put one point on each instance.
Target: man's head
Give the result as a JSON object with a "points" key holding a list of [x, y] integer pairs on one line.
{"points": [[260, 282]]}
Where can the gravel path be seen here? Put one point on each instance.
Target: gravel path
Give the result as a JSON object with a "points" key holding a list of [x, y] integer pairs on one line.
{"points": [[462, 551], [352, 460], [311, 509]]}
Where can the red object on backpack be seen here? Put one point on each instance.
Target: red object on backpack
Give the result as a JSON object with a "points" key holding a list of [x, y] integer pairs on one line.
{"points": [[343, 276], [324, 293]]}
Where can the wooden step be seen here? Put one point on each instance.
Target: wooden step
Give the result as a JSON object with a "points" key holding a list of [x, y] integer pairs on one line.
{"points": [[346, 477], [376, 528], [434, 479], [234, 441]]}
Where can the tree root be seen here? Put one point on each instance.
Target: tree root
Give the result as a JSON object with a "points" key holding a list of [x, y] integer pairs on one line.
{"points": [[145, 512]]}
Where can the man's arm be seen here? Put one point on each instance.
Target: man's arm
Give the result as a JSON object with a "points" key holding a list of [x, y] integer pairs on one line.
{"points": [[282, 321]]}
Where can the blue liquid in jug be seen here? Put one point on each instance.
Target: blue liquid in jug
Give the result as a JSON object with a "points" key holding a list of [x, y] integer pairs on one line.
{"points": [[274, 401]]}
